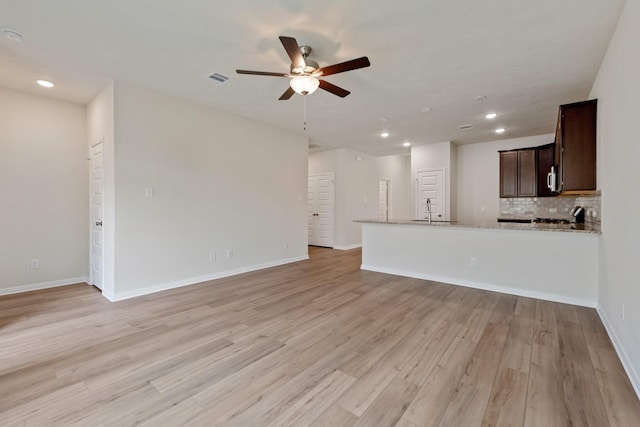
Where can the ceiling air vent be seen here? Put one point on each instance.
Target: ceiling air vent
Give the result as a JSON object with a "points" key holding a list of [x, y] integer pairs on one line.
{"points": [[465, 127], [219, 78]]}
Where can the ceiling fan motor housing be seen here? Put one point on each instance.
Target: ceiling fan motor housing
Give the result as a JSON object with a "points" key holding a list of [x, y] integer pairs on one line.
{"points": [[310, 65]]}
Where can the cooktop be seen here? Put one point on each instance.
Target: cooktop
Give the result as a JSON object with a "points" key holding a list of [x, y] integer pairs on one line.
{"points": [[536, 220]]}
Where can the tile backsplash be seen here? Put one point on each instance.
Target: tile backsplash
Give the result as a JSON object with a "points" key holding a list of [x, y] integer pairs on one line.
{"points": [[551, 207]]}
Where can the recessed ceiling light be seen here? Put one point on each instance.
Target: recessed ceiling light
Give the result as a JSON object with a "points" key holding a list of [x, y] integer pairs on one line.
{"points": [[406, 144], [12, 34], [481, 98], [491, 116], [384, 134], [45, 83], [500, 130], [426, 109], [383, 119]]}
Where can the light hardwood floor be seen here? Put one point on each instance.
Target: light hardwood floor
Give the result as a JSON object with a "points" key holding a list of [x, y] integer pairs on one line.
{"points": [[316, 343]]}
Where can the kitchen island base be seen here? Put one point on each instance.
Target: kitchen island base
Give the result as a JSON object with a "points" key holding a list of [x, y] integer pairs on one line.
{"points": [[561, 267]]}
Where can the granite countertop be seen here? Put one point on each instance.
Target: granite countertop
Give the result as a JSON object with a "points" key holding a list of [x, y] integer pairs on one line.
{"points": [[493, 225]]}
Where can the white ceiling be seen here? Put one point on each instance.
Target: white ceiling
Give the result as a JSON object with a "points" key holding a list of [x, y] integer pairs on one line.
{"points": [[526, 57]]}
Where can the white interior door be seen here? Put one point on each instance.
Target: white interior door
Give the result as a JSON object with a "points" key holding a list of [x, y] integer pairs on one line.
{"points": [[430, 185], [383, 199], [321, 215], [97, 202]]}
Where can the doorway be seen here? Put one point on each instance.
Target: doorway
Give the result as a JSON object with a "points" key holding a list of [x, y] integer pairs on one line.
{"points": [[321, 209], [96, 267], [430, 185], [384, 199]]}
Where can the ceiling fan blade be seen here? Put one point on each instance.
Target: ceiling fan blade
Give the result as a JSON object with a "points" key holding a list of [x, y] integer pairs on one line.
{"points": [[354, 64], [287, 94], [262, 73], [336, 90], [293, 50]]}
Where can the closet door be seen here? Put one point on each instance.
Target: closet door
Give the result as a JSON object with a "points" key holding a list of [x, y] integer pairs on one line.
{"points": [[321, 209]]}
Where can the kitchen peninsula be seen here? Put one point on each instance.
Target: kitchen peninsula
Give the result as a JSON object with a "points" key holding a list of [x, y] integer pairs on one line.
{"points": [[546, 261]]}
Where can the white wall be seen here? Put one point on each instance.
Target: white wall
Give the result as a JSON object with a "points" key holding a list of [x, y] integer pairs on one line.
{"points": [[220, 182], [43, 192], [479, 176], [361, 193], [357, 175], [617, 88], [101, 127], [435, 156]]}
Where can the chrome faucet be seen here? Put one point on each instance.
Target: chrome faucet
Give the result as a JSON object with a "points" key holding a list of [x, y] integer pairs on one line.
{"points": [[428, 218]]}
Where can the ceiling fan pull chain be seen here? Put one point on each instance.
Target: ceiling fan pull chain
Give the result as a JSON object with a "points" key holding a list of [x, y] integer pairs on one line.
{"points": [[304, 112]]}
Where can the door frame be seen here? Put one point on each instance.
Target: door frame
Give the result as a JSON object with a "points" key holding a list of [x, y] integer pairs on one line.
{"points": [[444, 191], [333, 204], [389, 204], [91, 272]]}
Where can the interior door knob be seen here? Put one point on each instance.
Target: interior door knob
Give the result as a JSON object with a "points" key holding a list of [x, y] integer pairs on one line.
{"points": [[98, 223]]}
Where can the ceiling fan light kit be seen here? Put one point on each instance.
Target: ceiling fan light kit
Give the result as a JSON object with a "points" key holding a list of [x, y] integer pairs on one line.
{"points": [[305, 73], [304, 85]]}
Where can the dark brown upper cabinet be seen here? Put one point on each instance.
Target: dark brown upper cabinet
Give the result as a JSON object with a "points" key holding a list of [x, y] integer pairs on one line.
{"points": [[508, 174], [523, 172], [575, 149], [518, 173], [545, 159]]}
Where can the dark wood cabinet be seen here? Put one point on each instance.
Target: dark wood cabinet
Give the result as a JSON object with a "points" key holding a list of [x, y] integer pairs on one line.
{"points": [[527, 172], [518, 173], [545, 159], [508, 174], [575, 146], [523, 172]]}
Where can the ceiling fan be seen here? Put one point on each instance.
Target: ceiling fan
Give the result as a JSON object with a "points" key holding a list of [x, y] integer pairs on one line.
{"points": [[305, 73]]}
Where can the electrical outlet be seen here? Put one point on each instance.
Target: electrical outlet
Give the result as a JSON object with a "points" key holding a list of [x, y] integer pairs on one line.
{"points": [[212, 256], [473, 261], [229, 253], [34, 264]]}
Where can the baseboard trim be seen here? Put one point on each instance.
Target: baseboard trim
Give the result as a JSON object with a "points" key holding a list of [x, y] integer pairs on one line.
{"points": [[348, 247], [43, 285], [485, 286], [634, 378], [119, 296]]}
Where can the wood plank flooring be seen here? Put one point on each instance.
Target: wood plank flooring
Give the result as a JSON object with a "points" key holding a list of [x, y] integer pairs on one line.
{"points": [[315, 343]]}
